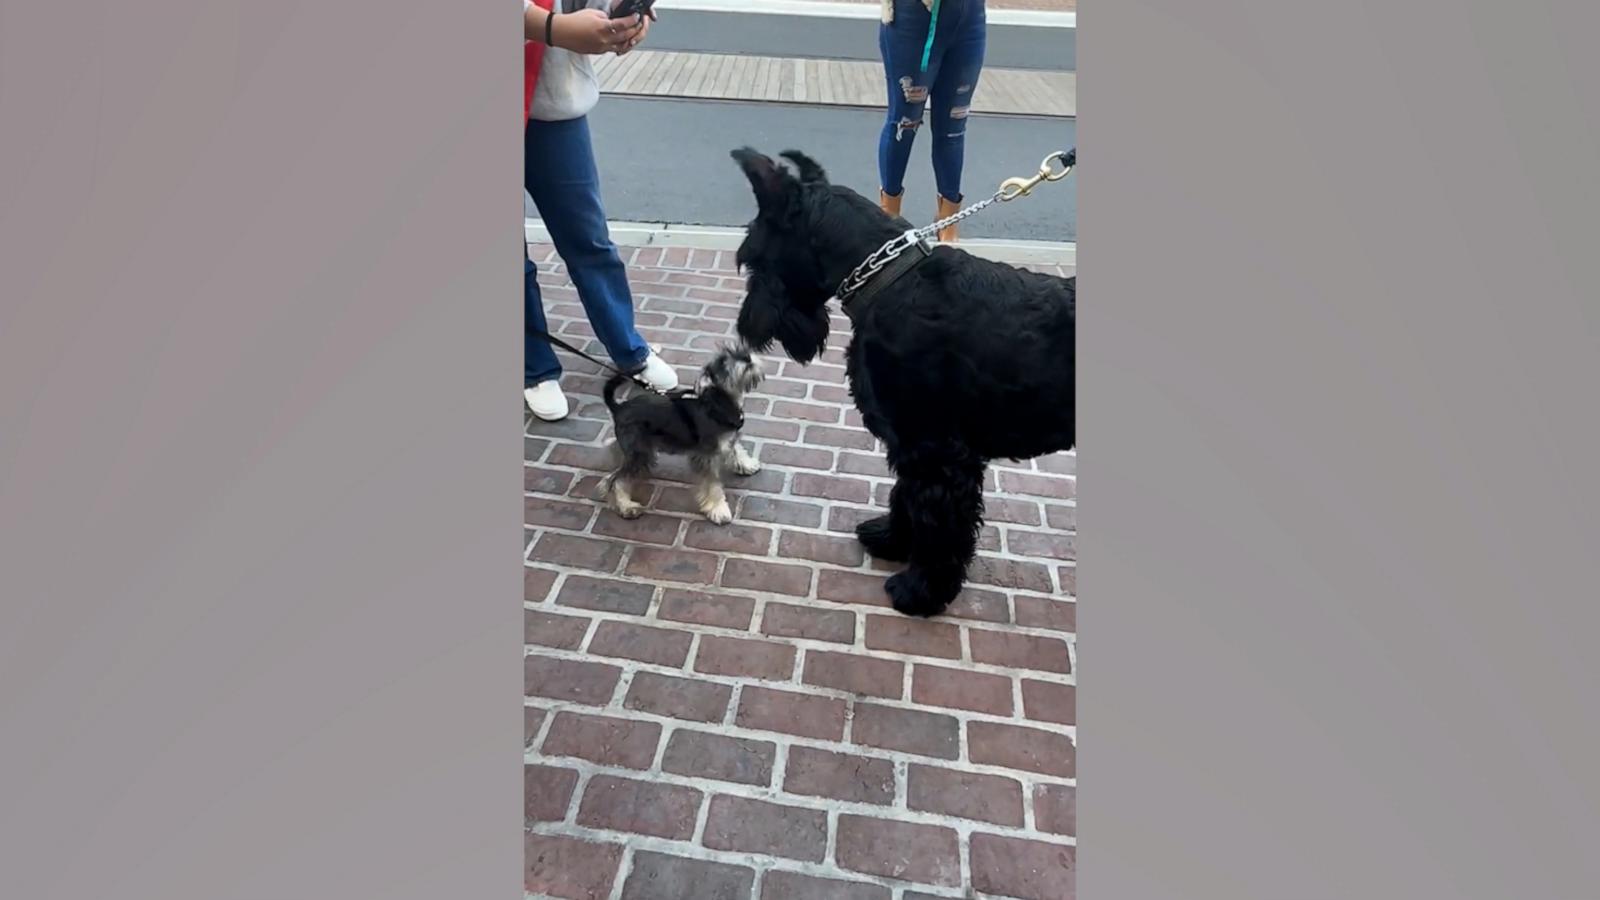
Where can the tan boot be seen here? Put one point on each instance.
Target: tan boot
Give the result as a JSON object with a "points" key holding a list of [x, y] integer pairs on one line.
{"points": [[948, 234], [889, 204]]}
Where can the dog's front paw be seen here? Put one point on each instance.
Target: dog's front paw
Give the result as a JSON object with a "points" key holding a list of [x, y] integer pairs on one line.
{"points": [[720, 514], [743, 462], [878, 538], [911, 595], [630, 511]]}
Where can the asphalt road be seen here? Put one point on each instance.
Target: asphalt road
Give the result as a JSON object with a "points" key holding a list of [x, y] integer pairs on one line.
{"points": [[761, 34], [667, 161]]}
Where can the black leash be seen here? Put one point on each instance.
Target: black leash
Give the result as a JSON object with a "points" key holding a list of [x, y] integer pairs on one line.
{"points": [[554, 341]]}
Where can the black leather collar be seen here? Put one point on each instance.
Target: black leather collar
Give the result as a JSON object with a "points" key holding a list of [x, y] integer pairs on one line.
{"points": [[908, 259]]}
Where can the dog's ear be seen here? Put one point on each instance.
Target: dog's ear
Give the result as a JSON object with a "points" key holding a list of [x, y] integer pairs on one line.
{"points": [[764, 303], [808, 168], [774, 188]]}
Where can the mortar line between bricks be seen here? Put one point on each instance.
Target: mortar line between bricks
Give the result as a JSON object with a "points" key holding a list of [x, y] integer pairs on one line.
{"points": [[736, 731], [799, 643], [624, 869]]}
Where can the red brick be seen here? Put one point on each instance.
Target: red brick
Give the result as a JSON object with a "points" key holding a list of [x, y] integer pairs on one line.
{"points": [[820, 547], [1049, 702], [860, 675], [772, 431], [673, 499], [1062, 518], [780, 387], [744, 658], [810, 412], [907, 730], [845, 438], [656, 876], [770, 829], [623, 743], [1027, 870], [732, 538], [699, 608], [797, 457], [576, 681], [961, 689], [698, 754], [569, 868], [1068, 575], [539, 480], [536, 583], [965, 795], [828, 393], [790, 713], [780, 885], [1038, 485], [532, 718], [928, 854], [1043, 612], [831, 487], [550, 630], [605, 595], [781, 512], [672, 564], [581, 456], [844, 519], [851, 587], [639, 807], [645, 529], [547, 792], [1021, 651], [979, 605], [1012, 511], [1058, 463], [1010, 573], [679, 698], [783, 620], [577, 552], [916, 637], [1021, 748], [1055, 808], [1047, 544], [862, 464], [839, 776], [556, 513], [625, 640], [830, 374], [768, 577]]}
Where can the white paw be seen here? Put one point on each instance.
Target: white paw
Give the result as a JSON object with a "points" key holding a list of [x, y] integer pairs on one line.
{"points": [[720, 514], [747, 466], [633, 511]]}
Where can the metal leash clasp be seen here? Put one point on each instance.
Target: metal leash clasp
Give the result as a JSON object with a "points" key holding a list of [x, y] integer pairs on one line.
{"points": [[1012, 188]]}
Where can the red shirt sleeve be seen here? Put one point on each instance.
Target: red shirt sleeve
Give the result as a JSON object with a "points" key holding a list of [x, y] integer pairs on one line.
{"points": [[532, 57]]}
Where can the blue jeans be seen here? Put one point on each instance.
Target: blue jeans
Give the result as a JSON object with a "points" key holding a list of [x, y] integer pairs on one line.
{"points": [[559, 173], [955, 60]]}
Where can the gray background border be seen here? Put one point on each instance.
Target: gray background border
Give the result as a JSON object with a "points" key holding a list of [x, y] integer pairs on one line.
{"points": [[1339, 357]]}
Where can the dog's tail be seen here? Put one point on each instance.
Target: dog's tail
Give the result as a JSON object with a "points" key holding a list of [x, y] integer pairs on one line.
{"points": [[611, 392]]}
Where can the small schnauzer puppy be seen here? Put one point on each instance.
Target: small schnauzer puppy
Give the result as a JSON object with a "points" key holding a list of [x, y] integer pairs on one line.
{"points": [[957, 362], [703, 424]]}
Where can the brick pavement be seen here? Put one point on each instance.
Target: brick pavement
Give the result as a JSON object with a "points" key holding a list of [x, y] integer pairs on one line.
{"points": [[734, 713]]}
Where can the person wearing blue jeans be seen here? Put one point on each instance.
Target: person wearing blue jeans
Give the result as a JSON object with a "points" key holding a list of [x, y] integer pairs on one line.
{"points": [[932, 56], [560, 175]]}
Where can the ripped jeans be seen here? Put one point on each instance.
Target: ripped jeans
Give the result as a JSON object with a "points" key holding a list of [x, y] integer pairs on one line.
{"points": [[954, 61]]}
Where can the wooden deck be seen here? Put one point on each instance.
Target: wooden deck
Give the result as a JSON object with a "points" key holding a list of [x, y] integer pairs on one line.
{"points": [[663, 73]]}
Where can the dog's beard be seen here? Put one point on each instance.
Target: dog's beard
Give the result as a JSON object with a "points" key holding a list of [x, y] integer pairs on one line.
{"points": [[769, 315]]}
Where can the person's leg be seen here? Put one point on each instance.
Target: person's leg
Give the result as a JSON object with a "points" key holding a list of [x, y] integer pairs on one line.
{"points": [[900, 44], [561, 177], [951, 99], [539, 362]]}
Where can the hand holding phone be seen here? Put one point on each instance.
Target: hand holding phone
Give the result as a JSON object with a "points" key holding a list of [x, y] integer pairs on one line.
{"points": [[628, 8]]}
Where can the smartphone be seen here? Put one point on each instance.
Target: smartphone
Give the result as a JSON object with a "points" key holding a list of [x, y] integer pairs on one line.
{"points": [[629, 8]]}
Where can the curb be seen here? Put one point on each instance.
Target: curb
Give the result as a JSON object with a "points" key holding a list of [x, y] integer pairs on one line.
{"points": [[1030, 18], [709, 237]]}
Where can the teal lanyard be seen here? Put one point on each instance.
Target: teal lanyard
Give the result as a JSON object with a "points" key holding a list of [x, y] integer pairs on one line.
{"points": [[927, 48]]}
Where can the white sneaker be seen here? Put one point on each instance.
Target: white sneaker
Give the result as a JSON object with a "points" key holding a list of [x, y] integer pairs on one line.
{"points": [[547, 401], [661, 376]]}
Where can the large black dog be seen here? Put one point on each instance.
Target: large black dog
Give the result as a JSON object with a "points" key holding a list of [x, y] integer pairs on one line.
{"points": [[955, 363]]}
